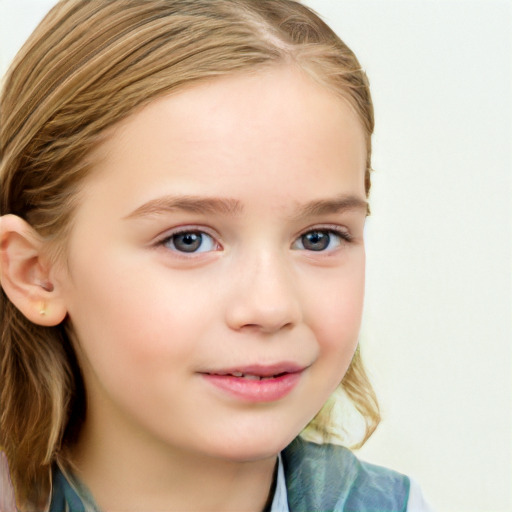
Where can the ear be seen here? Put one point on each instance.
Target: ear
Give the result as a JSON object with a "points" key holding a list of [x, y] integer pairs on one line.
{"points": [[25, 273]]}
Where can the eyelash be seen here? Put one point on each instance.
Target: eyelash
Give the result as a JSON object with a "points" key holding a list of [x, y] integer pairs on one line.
{"points": [[187, 231], [344, 238]]}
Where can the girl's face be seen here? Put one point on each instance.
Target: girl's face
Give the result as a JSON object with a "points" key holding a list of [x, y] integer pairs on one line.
{"points": [[216, 265]]}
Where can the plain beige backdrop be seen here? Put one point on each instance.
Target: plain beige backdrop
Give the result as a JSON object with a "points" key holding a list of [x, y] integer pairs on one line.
{"points": [[438, 321]]}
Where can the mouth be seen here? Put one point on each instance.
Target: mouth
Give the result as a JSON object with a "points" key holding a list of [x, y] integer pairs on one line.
{"points": [[259, 372], [256, 383]]}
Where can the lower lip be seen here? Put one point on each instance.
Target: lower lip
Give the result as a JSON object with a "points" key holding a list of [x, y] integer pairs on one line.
{"points": [[265, 390]]}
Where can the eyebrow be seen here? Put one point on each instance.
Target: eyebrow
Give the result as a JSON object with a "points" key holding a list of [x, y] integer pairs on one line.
{"points": [[193, 204], [227, 206], [338, 204]]}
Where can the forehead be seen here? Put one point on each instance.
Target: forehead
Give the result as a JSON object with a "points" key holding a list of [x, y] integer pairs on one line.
{"points": [[240, 129]]}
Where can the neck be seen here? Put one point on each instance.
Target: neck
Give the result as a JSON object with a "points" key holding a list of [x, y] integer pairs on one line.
{"points": [[142, 476]]}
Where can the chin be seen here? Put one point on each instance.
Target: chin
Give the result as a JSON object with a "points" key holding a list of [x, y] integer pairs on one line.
{"points": [[250, 448]]}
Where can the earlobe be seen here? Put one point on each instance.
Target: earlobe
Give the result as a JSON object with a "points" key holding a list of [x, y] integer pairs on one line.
{"points": [[25, 274]]}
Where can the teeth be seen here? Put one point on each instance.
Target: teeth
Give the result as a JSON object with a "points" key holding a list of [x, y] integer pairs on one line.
{"points": [[249, 376]]}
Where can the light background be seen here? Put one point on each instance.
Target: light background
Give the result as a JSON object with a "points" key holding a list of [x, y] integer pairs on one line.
{"points": [[438, 321]]}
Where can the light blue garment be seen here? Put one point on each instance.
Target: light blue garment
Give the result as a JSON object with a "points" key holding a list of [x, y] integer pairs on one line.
{"points": [[330, 478], [415, 503]]}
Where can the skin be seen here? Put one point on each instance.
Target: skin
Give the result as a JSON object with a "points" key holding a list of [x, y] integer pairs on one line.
{"points": [[149, 320]]}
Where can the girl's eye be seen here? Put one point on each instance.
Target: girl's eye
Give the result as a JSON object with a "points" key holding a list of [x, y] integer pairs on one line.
{"points": [[321, 240], [190, 242]]}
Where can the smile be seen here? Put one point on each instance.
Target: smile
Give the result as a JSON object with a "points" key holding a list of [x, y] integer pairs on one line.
{"points": [[256, 384]]}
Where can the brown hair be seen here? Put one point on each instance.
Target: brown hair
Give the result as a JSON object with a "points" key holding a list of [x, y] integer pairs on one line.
{"points": [[89, 64]]}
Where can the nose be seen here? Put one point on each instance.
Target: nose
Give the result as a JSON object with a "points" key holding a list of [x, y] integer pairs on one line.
{"points": [[264, 296]]}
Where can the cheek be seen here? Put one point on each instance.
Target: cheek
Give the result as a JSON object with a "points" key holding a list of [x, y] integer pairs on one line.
{"points": [[336, 313], [127, 318]]}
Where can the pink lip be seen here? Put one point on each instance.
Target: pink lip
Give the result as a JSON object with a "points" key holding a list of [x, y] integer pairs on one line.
{"points": [[278, 381]]}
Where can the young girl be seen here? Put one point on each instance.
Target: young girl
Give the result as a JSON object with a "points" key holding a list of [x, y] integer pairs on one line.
{"points": [[183, 194]]}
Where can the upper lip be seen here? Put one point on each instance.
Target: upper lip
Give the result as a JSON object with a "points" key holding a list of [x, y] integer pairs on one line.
{"points": [[259, 370]]}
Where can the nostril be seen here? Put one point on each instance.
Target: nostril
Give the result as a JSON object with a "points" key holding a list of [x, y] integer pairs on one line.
{"points": [[265, 299]]}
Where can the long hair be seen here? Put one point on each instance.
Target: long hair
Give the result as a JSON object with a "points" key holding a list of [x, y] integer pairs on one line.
{"points": [[89, 64]]}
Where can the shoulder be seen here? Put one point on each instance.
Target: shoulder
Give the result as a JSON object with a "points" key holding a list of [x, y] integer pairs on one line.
{"points": [[331, 478]]}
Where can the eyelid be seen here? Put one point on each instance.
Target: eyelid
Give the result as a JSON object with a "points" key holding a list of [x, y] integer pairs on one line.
{"points": [[343, 231], [187, 228], [340, 231]]}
